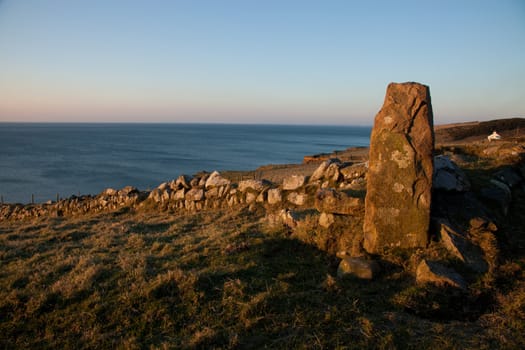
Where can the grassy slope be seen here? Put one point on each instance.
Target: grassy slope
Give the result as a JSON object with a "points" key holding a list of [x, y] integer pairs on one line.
{"points": [[223, 279], [219, 279]]}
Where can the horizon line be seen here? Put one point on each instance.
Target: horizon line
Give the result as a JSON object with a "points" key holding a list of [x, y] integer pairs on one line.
{"points": [[235, 123]]}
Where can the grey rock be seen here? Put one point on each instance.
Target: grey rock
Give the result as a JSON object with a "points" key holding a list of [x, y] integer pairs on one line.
{"points": [[256, 185], [448, 176], [509, 176], [294, 182], [332, 173], [337, 202], [284, 217], [125, 191], [179, 195], [155, 195], [499, 193], [459, 246], [261, 198], [203, 179], [183, 181], [297, 198], [194, 195], [163, 186], [274, 196], [223, 190], [212, 192], [251, 197], [194, 182], [173, 185], [319, 173], [216, 180], [358, 267], [354, 171], [433, 272], [109, 192]]}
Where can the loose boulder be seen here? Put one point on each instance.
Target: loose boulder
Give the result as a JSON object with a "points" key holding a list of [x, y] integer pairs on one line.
{"points": [[448, 176], [399, 183], [434, 272], [509, 176], [498, 193], [358, 267], [464, 250]]}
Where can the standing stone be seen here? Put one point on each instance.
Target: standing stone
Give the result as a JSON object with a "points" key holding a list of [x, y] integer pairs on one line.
{"points": [[399, 183]]}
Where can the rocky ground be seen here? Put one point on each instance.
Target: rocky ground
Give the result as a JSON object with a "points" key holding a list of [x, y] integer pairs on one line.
{"points": [[230, 261]]}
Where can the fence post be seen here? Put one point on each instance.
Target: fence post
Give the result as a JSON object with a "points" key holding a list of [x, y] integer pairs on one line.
{"points": [[57, 197], [32, 198]]}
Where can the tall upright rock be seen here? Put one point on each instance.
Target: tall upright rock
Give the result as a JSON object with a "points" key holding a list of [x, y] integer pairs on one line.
{"points": [[397, 204]]}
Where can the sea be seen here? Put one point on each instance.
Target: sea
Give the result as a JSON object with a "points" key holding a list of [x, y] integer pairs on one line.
{"points": [[40, 161]]}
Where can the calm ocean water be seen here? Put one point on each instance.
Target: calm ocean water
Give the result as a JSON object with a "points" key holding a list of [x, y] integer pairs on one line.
{"points": [[46, 159]]}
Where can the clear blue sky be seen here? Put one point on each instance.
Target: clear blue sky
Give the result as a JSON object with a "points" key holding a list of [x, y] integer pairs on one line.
{"points": [[266, 61]]}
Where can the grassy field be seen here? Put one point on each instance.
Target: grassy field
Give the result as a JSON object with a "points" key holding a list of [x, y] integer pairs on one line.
{"points": [[224, 280]]}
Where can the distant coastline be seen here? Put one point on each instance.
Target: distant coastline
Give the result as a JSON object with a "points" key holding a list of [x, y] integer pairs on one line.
{"points": [[44, 159], [246, 150]]}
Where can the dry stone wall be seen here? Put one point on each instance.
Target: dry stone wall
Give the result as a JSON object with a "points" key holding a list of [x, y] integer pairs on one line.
{"points": [[208, 191]]}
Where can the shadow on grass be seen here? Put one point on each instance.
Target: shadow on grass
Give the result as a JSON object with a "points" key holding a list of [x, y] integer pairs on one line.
{"points": [[146, 228], [284, 294]]}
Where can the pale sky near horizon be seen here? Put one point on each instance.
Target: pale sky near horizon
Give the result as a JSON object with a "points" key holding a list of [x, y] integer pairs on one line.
{"points": [[271, 61]]}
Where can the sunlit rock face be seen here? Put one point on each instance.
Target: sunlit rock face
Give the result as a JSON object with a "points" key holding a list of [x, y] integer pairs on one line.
{"points": [[399, 183]]}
